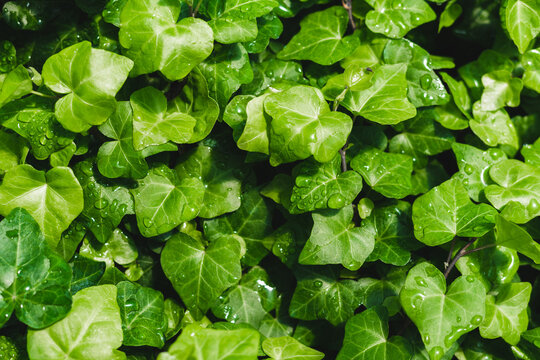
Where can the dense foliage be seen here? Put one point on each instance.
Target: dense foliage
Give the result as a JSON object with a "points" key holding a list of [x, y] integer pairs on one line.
{"points": [[277, 179]]}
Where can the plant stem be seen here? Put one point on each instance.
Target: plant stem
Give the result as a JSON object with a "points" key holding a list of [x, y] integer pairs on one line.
{"points": [[347, 4], [37, 93], [343, 153], [478, 249], [194, 13], [461, 253], [450, 253]]}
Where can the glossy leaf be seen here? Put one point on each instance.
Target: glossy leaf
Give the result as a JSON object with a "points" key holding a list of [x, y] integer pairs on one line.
{"points": [[514, 237], [531, 63], [286, 347], [500, 89], [522, 19], [494, 127], [13, 151], [14, 85]]}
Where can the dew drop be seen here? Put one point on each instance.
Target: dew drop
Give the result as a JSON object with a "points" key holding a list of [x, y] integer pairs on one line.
{"points": [[317, 283], [425, 81], [476, 320], [420, 281], [469, 169], [469, 278], [336, 201], [148, 222]]}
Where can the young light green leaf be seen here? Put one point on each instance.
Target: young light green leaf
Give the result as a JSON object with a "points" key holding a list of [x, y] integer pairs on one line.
{"points": [[366, 337], [163, 201], [269, 27], [446, 211], [286, 347], [252, 222], [494, 127], [155, 122], [13, 151], [91, 331], [156, 40], [119, 158], [14, 85], [303, 125], [516, 191], [387, 173], [142, 313], [321, 38], [451, 12], [335, 240], [385, 101], [53, 198], [531, 65], [90, 78], [460, 95], [531, 153], [323, 185], [396, 18], [442, 316], [522, 19], [533, 336], [198, 274], [500, 89], [34, 280], [254, 137], [273, 71], [514, 237], [203, 344], [506, 312]]}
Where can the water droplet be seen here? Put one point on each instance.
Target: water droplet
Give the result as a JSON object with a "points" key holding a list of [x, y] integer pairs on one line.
{"points": [[426, 339], [336, 201], [469, 169], [43, 140], [469, 278], [101, 203], [420, 281], [436, 353], [533, 206], [148, 222], [476, 320], [317, 283], [458, 319], [425, 81]]}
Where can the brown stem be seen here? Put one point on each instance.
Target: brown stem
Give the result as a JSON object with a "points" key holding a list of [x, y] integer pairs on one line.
{"points": [[343, 153], [450, 253], [461, 252], [478, 249], [347, 4]]}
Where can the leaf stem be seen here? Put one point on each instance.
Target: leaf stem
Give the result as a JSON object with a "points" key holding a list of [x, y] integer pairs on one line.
{"points": [[447, 262], [347, 4], [194, 13], [42, 94], [461, 253], [479, 248]]}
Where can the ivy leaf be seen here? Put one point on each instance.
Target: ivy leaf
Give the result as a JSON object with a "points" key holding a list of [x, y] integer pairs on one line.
{"points": [[335, 240], [254, 137], [500, 89], [198, 274], [270, 72], [202, 344], [53, 198], [460, 95], [13, 151], [385, 291], [494, 127], [323, 185], [14, 85], [86, 273], [395, 19], [35, 281], [514, 237], [385, 100], [319, 295], [321, 38], [531, 64], [249, 301], [156, 40], [286, 347], [446, 211], [90, 78], [269, 27], [425, 88], [516, 191], [533, 336], [163, 201], [155, 122], [450, 14], [33, 118], [142, 313], [303, 125], [217, 170], [531, 153], [225, 70], [252, 222], [474, 167], [522, 19], [442, 316], [387, 173], [119, 158], [91, 331], [506, 312], [366, 337]]}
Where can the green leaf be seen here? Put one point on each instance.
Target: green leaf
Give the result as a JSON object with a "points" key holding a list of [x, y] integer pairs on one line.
{"points": [[14, 85], [366, 337], [269, 27], [254, 137], [450, 14], [425, 88], [516, 191], [385, 291], [395, 19], [522, 19], [500, 89], [9, 60], [514, 237], [335, 240], [286, 347], [156, 40], [142, 312], [303, 125], [321, 38], [446, 211], [531, 64], [506, 312], [91, 331], [273, 71], [385, 101], [319, 295], [474, 167], [459, 93], [323, 185], [249, 301], [35, 281], [494, 127], [531, 153], [200, 274], [252, 222], [225, 70], [163, 201], [104, 204], [53, 198], [202, 344], [33, 118], [217, 170], [533, 336], [442, 316], [387, 173], [155, 122], [90, 78], [174, 315], [119, 158], [13, 151], [118, 248], [86, 273]]}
